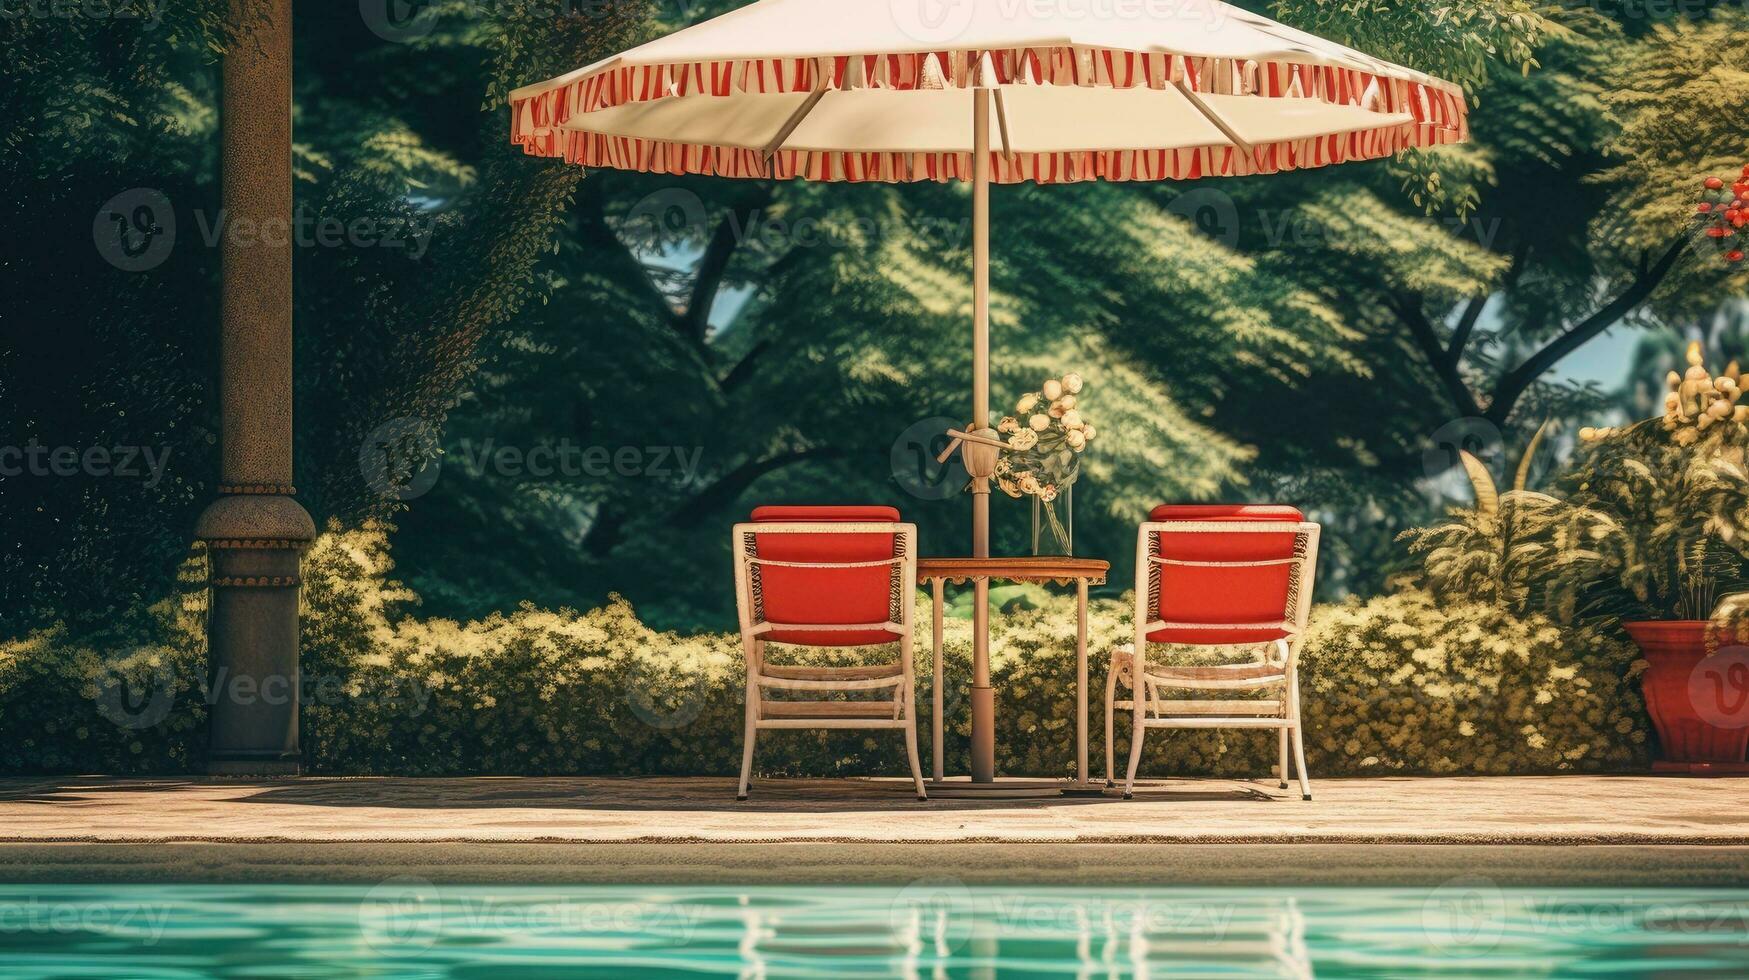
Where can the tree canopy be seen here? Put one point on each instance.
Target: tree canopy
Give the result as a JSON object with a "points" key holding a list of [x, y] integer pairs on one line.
{"points": [[1302, 337]]}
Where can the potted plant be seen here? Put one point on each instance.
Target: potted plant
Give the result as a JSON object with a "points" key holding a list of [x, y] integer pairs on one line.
{"points": [[1653, 533]]}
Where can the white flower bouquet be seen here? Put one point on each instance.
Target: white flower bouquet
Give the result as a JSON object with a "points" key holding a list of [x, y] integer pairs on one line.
{"points": [[1046, 436]]}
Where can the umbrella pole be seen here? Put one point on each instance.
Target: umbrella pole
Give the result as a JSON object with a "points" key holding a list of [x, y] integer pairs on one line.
{"points": [[983, 698]]}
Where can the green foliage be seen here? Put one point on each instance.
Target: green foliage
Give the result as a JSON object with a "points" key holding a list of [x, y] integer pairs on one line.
{"points": [[1680, 97], [789, 334], [1655, 526], [125, 697], [1459, 40], [1398, 684], [387, 326], [1493, 558], [1406, 683], [1652, 522]]}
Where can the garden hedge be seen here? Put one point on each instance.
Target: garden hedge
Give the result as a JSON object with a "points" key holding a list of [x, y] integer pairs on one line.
{"points": [[1396, 684]]}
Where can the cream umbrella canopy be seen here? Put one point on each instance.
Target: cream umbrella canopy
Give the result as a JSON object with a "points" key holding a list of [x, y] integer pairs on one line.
{"points": [[986, 91]]}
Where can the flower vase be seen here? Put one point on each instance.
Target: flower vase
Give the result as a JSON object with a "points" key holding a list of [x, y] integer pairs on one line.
{"points": [[1053, 524]]}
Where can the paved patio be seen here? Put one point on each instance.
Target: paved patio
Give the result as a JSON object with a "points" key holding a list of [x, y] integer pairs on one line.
{"points": [[1605, 829]]}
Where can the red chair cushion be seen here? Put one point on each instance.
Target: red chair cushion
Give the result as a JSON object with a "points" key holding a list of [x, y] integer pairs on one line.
{"points": [[1196, 594], [818, 514], [826, 595]]}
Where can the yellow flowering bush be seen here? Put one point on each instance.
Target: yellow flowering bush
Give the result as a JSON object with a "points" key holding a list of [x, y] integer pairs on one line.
{"points": [[1396, 684], [128, 699]]}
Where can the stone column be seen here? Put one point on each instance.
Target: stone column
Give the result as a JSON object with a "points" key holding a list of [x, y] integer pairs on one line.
{"points": [[255, 532]]}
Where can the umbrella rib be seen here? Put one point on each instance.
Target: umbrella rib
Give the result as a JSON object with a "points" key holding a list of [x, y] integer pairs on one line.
{"points": [[790, 124], [1213, 117], [1002, 125]]}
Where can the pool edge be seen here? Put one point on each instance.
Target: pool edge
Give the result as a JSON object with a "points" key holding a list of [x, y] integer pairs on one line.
{"points": [[1078, 863]]}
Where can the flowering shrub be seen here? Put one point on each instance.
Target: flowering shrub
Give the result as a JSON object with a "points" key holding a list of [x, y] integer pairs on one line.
{"points": [[1723, 211], [1656, 518], [1394, 685], [1652, 521]]}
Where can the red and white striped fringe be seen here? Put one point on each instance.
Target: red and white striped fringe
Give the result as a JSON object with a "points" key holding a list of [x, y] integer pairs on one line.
{"points": [[1438, 109]]}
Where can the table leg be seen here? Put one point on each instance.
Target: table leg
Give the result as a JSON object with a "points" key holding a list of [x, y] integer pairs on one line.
{"points": [[935, 690], [1080, 786], [1081, 681], [983, 783], [983, 696]]}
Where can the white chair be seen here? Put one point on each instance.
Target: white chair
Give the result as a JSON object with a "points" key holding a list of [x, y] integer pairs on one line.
{"points": [[832, 577], [1210, 578]]}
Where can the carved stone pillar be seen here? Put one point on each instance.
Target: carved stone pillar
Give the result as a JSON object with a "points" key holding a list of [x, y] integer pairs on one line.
{"points": [[255, 532]]}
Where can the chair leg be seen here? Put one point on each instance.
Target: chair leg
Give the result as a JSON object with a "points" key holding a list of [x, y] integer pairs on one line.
{"points": [[1281, 772], [1139, 690], [1300, 743], [911, 751], [1110, 723], [748, 734], [910, 746]]}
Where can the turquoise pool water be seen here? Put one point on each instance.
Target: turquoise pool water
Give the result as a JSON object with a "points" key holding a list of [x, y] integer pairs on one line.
{"points": [[407, 927]]}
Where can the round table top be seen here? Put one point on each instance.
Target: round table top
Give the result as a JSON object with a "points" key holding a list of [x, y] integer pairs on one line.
{"points": [[1040, 568]]}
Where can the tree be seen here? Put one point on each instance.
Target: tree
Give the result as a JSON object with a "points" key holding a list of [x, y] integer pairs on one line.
{"points": [[441, 225]]}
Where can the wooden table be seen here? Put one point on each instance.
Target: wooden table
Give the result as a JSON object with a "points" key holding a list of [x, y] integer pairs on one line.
{"points": [[937, 572]]}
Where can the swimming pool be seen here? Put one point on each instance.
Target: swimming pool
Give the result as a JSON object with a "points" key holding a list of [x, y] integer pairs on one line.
{"points": [[409, 927]]}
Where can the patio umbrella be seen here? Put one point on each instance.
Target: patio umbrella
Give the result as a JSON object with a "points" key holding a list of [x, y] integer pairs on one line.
{"points": [[906, 90]]}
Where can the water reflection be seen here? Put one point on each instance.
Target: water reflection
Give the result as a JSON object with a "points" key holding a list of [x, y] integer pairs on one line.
{"points": [[939, 929]]}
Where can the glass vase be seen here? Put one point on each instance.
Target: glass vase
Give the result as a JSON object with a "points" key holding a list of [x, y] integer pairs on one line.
{"points": [[1053, 524]]}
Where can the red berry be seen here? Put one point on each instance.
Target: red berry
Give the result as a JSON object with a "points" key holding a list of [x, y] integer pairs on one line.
{"points": [[1746, 171], [1714, 183], [1741, 188], [1718, 231], [1703, 207], [1734, 255]]}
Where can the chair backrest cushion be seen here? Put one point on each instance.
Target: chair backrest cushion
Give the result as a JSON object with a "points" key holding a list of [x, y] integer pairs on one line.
{"points": [[836, 596], [1213, 595]]}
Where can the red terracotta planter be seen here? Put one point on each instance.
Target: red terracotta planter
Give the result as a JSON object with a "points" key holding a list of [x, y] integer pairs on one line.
{"points": [[1680, 698]]}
